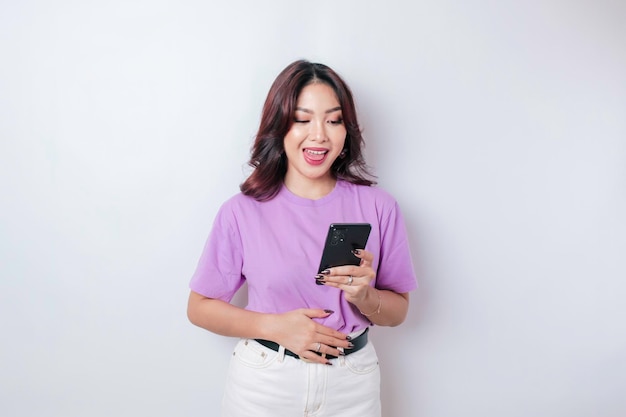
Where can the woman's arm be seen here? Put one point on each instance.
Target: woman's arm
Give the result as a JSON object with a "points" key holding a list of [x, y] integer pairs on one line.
{"points": [[295, 330], [388, 310], [219, 317]]}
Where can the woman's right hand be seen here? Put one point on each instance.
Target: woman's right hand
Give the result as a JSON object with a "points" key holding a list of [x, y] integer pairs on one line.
{"points": [[297, 331]]}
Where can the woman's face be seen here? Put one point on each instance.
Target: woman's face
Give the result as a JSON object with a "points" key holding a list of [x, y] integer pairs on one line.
{"points": [[316, 137]]}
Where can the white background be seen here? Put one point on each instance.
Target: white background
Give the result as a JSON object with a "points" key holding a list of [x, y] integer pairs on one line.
{"points": [[498, 125]]}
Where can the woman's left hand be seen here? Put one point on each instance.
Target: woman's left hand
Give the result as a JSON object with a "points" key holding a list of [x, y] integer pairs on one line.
{"points": [[353, 280]]}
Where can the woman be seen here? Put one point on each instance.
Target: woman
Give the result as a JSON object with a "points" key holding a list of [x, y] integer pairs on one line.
{"points": [[308, 172]]}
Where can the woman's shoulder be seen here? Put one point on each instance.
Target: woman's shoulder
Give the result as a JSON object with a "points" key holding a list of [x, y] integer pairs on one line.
{"points": [[238, 202], [373, 192], [235, 211]]}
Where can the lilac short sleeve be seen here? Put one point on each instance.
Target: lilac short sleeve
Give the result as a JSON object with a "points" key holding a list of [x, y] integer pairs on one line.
{"points": [[395, 271], [218, 273]]}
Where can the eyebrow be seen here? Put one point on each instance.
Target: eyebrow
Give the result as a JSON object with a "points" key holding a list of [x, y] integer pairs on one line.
{"points": [[334, 109]]}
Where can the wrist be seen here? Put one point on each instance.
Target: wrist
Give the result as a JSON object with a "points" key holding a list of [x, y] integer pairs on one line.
{"points": [[378, 302], [266, 326]]}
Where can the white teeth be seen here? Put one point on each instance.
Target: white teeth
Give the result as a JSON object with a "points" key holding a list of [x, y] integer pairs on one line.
{"points": [[316, 152]]}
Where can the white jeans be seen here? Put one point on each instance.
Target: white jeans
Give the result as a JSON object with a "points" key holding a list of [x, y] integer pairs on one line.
{"points": [[264, 383]]}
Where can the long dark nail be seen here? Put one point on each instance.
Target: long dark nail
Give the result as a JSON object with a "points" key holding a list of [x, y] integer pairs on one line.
{"points": [[319, 282], [328, 311], [325, 272], [348, 338], [356, 251]]}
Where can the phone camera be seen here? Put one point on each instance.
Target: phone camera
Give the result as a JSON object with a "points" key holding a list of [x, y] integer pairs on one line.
{"points": [[338, 236]]}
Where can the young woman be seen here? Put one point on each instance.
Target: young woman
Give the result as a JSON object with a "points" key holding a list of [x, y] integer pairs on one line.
{"points": [[304, 348]]}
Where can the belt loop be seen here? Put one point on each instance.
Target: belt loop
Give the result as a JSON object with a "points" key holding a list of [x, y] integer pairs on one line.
{"points": [[281, 353]]}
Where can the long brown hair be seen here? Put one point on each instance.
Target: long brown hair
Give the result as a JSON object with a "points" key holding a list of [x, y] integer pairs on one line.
{"points": [[267, 155]]}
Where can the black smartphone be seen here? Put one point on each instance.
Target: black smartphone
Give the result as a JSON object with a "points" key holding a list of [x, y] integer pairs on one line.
{"points": [[341, 240]]}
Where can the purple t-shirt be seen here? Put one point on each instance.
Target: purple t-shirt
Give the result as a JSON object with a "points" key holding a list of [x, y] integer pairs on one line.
{"points": [[275, 246]]}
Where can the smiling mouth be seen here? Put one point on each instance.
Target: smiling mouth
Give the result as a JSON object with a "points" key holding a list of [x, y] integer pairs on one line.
{"points": [[315, 156]]}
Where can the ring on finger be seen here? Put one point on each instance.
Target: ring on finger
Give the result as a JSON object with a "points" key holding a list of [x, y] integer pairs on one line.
{"points": [[318, 347], [350, 279]]}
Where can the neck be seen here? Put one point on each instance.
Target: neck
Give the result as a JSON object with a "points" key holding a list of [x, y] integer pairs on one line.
{"points": [[313, 190]]}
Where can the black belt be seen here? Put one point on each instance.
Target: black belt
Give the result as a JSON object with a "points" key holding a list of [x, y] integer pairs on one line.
{"points": [[358, 343]]}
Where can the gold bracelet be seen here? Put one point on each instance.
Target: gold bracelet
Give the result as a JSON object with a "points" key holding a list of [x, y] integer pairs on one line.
{"points": [[380, 303]]}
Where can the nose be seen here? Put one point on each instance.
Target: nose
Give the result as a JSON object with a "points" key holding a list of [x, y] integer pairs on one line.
{"points": [[318, 131]]}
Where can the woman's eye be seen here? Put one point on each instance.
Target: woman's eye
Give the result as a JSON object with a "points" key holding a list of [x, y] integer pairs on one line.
{"points": [[300, 121], [336, 122]]}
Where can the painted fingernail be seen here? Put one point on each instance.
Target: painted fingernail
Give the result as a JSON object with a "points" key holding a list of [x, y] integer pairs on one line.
{"points": [[328, 311], [319, 282], [325, 272], [356, 251], [348, 338], [350, 345]]}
